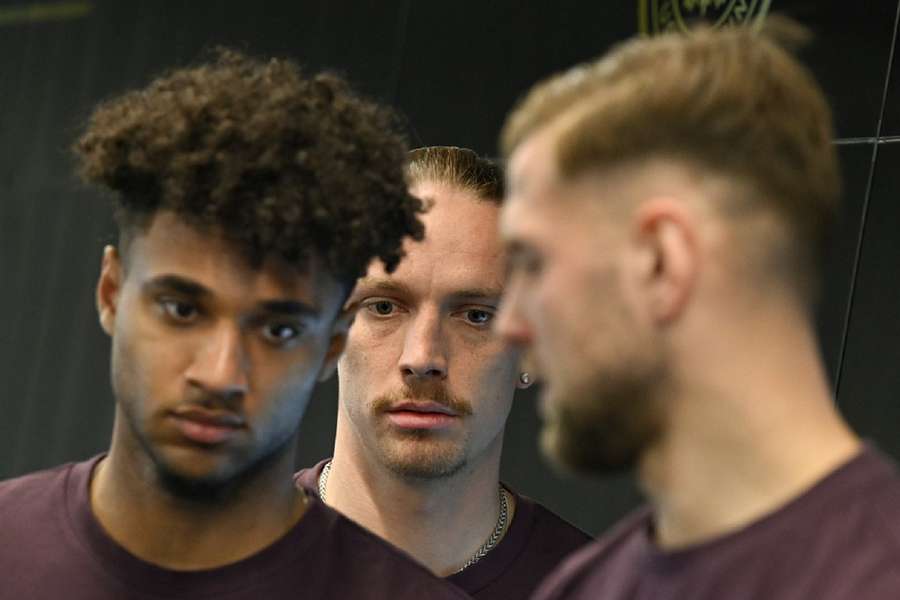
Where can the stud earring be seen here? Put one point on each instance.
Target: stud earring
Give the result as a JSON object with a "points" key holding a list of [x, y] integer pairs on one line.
{"points": [[524, 378]]}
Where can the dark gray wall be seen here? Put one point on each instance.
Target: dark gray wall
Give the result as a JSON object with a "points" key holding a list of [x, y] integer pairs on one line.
{"points": [[454, 69]]}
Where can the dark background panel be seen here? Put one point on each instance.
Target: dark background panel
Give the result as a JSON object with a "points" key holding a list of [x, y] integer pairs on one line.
{"points": [[466, 63], [856, 166], [848, 55], [454, 70], [505, 49], [891, 123], [869, 392]]}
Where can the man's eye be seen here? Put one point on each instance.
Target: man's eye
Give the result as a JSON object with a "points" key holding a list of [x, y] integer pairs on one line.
{"points": [[534, 265], [183, 312], [382, 308], [280, 333], [479, 317], [527, 263], [531, 264]]}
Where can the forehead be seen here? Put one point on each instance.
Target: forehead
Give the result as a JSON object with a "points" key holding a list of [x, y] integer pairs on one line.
{"points": [[170, 246], [532, 165], [534, 189], [461, 247]]}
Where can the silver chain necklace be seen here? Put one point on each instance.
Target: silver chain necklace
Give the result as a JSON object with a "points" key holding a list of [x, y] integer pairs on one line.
{"points": [[488, 545]]}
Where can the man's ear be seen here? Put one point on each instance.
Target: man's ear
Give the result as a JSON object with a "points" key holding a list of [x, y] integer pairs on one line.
{"points": [[109, 285], [339, 332], [666, 230]]}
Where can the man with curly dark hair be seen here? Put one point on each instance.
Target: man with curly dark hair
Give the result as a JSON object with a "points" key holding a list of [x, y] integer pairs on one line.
{"points": [[249, 198]]}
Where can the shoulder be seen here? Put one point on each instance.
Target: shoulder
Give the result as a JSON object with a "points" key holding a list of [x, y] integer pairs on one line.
{"points": [[880, 492], [364, 544], [860, 503], [29, 492], [372, 564], [574, 572], [552, 529], [864, 531], [544, 537], [535, 543], [839, 539], [34, 520]]}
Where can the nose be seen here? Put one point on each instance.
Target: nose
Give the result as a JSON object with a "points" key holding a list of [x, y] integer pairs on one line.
{"points": [[510, 324], [424, 354], [220, 366]]}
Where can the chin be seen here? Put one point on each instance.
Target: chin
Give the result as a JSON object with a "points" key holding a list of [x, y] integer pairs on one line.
{"points": [[577, 454], [193, 484], [600, 430], [192, 461], [207, 475], [424, 459]]}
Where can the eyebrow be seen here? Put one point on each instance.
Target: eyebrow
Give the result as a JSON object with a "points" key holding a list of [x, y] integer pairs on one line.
{"points": [[383, 284], [517, 252], [516, 248], [185, 287], [289, 308], [478, 294], [192, 289]]}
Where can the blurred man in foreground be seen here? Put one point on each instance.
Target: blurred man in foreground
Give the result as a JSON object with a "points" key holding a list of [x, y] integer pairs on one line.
{"points": [[426, 387], [666, 219], [249, 198]]}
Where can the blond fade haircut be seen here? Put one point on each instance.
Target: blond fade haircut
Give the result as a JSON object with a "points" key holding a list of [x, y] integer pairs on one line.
{"points": [[730, 102], [458, 167]]}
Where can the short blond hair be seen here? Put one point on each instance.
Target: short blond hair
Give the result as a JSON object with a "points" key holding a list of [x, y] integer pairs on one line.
{"points": [[729, 101], [458, 167]]}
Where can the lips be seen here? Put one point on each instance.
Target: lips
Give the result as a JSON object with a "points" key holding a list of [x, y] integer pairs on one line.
{"points": [[421, 415], [424, 408], [207, 426]]}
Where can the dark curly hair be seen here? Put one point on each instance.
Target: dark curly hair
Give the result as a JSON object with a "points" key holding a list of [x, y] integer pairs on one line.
{"points": [[277, 161]]}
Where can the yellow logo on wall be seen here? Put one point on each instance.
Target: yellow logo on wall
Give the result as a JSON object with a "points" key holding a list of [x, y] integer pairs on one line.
{"points": [[658, 16], [41, 12]]}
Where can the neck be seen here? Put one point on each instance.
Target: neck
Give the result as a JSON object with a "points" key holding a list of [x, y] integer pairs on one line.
{"points": [[746, 437], [182, 534], [461, 510]]}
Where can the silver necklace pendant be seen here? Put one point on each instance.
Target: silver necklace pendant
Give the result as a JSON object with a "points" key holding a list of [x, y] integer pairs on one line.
{"points": [[495, 536], [482, 551]]}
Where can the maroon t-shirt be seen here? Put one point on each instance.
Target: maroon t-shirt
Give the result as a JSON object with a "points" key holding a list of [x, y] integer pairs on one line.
{"points": [[535, 542], [52, 547], [840, 540]]}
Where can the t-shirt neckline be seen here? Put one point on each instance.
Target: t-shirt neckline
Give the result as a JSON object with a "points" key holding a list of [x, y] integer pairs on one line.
{"points": [[496, 562]]}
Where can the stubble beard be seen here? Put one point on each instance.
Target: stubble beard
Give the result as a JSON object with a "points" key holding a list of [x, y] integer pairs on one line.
{"points": [[214, 488], [421, 454], [220, 487], [607, 410], [603, 424]]}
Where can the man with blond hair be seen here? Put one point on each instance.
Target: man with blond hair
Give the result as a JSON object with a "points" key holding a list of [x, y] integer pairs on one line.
{"points": [[666, 219], [426, 387]]}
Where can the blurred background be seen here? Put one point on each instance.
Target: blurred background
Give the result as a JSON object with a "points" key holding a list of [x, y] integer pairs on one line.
{"points": [[453, 69]]}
